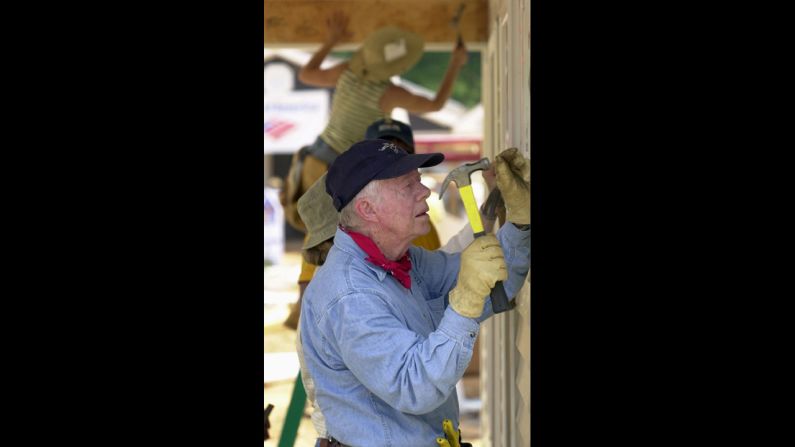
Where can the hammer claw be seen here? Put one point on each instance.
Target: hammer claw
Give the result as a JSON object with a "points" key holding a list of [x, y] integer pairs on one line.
{"points": [[460, 175], [444, 186]]}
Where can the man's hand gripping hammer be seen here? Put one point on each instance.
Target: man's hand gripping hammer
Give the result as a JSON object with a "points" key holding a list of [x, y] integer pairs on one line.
{"points": [[460, 175]]}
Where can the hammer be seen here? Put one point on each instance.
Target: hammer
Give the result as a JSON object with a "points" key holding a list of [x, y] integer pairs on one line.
{"points": [[455, 23], [460, 175]]}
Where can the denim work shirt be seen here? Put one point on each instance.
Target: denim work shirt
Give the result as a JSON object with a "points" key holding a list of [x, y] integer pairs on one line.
{"points": [[385, 360]]}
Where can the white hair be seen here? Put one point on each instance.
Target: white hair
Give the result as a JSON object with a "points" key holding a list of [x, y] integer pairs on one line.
{"points": [[371, 192]]}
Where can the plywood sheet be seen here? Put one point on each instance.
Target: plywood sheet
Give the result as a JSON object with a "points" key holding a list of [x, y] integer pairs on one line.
{"points": [[291, 22]]}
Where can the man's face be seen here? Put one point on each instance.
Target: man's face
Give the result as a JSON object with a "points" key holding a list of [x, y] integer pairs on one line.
{"points": [[402, 210]]}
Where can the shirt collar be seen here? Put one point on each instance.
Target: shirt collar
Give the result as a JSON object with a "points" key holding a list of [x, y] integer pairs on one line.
{"points": [[344, 242]]}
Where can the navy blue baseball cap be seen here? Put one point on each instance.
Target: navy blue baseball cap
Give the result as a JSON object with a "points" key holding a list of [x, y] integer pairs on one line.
{"points": [[370, 160], [390, 128]]}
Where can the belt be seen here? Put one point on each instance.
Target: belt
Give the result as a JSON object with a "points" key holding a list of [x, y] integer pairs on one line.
{"points": [[331, 442], [320, 150]]}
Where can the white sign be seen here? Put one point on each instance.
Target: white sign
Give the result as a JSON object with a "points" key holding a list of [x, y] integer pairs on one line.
{"points": [[294, 119], [274, 226]]}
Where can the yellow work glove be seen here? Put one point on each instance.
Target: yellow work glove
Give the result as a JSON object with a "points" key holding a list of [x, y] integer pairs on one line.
{"points": [[452, 437], [513, 179], [482, 265]]}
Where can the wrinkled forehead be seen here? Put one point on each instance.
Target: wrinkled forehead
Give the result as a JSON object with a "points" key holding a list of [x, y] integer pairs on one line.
{"points": [[407, 176], [397, 183]]}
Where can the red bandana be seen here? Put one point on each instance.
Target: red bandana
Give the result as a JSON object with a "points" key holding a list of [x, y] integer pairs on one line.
{"points": [[399, 269]]}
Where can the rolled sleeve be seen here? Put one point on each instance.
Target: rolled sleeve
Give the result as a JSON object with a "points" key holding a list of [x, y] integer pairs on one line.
{"points": [[459, 328]]}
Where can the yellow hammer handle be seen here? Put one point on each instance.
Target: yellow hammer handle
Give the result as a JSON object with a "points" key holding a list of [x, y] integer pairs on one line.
{"points": [[468, 197]]}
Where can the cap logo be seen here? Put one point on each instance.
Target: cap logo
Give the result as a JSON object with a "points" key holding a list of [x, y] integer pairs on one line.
{"points": [[390, 146]]}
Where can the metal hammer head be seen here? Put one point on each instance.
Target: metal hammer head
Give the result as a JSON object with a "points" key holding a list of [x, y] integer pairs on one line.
{"points": [[457, 17], [456, 23], [460, 175]]}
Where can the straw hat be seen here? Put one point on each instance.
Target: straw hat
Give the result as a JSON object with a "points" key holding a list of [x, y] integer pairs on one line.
{"points": [[386, 52], [318, 213]]}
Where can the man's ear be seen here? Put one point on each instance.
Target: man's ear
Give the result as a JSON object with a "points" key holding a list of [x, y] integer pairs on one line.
{"points": [[366, 210]]}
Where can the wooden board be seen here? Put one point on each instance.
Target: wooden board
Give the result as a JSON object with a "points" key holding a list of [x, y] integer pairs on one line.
{"points": [[296, 22]]}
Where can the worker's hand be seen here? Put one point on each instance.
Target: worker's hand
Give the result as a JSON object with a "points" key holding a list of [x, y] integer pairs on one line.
{"points": [[460, 56], [337, 24], [513, 179], [482, 265], [452, 438]]}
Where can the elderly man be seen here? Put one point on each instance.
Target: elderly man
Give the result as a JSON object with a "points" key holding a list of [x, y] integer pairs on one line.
{"points": [[318, 202], [388, 329]]}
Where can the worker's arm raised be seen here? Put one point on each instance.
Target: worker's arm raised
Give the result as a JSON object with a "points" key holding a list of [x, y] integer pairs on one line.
{"points": [[395, 96], [311, 73]]}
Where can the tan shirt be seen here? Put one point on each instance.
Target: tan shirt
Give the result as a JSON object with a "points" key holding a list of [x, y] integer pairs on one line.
{"points": [[354, 107]]}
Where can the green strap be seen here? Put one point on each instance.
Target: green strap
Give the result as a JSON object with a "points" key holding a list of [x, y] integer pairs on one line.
{"points": [[294, 414]]}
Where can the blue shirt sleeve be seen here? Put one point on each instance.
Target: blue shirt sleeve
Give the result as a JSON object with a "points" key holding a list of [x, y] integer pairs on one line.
{"points": [[439, 270]]}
